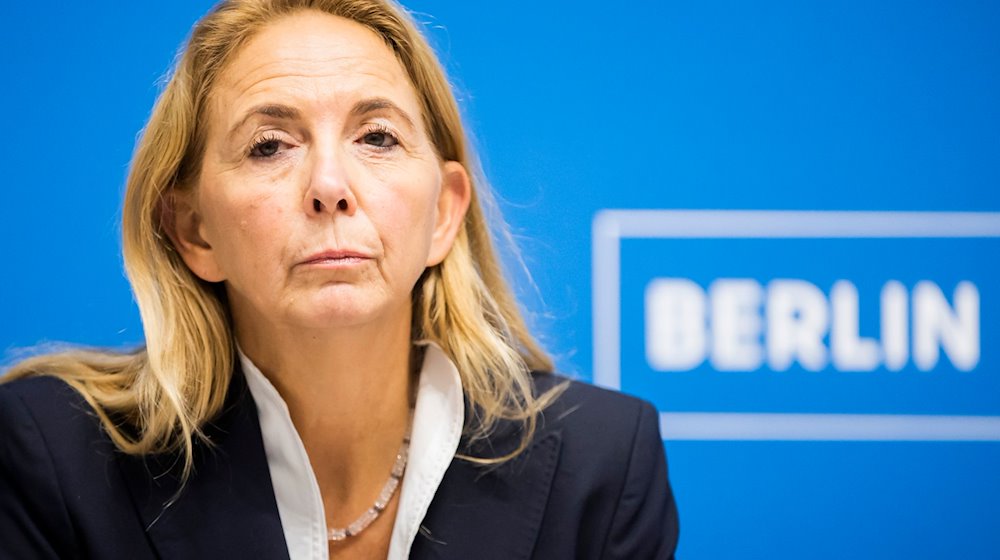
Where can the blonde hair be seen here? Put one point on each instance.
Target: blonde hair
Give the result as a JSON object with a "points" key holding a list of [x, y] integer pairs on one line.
{"points": [[159, 398]]}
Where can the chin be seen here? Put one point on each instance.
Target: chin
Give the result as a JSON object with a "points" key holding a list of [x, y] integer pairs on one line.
{"points": [[348, 312]]}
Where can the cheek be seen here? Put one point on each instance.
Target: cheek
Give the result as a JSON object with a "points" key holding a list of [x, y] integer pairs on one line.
{"points": [[411, 214], [408, 224], [244, 233]]}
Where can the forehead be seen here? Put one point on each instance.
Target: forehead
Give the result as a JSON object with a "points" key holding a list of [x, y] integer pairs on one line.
{"points": [[312, 56]]}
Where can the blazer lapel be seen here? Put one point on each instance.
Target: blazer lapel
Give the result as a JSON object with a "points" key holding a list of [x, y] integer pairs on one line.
{"points": [[490, 512], [227, 507]]}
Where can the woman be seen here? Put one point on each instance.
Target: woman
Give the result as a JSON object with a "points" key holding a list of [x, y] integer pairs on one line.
{"points": [[334, 365]]}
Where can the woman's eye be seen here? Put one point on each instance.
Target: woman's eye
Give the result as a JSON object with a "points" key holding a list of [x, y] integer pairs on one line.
{"points": [[265, 148], [380, 139]]}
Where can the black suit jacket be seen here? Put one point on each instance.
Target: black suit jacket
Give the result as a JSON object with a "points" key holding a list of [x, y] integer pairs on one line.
{"points": [[593, 484]]}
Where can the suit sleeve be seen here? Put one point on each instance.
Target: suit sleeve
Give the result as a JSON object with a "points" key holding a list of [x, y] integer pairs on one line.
{"points": [[645, 523], [33, 520]]}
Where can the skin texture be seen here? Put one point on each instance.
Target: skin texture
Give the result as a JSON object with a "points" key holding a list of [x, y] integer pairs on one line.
{"points": [[316, 146]]}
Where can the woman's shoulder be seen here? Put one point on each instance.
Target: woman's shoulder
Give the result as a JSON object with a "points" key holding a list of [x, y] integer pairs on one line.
{"points": [[56, 470], [47, 414], [34, 386], [614, 474], [46, 400], [593, 410], [592, 483]]}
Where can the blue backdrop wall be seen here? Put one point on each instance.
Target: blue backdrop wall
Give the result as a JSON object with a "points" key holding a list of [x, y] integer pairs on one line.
{"points": [[829, 382]]}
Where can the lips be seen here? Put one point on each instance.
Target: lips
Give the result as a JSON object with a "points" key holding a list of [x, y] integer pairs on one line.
{"points": [[337, 257]]}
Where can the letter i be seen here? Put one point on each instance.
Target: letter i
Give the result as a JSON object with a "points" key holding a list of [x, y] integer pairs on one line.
{"points": [[895, 322]]}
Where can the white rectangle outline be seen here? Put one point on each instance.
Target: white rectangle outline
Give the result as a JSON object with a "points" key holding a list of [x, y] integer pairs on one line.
{"points": [[708, 426], [611, 226]]}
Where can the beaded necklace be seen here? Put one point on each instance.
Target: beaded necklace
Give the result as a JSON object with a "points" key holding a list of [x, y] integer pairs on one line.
{"points": [[388, 491]]}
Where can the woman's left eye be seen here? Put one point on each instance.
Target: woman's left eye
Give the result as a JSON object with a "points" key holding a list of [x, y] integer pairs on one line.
{"points": [[380, 139]]}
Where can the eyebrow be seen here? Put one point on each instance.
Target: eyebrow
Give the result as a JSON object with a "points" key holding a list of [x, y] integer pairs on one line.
{"points": [[374, 104], [272, 110]]}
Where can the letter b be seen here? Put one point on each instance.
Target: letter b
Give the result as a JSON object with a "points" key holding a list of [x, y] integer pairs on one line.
{"points": [[675, 324]]}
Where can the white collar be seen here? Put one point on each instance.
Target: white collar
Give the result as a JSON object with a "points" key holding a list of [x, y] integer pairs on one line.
{"points": [[437, 429]]}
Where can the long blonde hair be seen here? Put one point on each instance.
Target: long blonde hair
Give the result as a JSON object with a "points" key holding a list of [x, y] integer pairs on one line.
{"points": [[169, 390]]}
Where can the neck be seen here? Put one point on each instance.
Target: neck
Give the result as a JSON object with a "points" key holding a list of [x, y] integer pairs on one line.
{"points": [[348, 392]]}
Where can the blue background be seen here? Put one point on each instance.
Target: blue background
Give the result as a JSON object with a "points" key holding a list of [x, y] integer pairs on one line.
{"points": [[578, 107]]}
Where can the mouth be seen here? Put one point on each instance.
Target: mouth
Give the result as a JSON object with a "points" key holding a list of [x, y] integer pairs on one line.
{"points": [[336, 259]]}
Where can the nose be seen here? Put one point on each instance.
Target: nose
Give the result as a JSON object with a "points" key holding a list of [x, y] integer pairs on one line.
{"points": [[330, 189]]}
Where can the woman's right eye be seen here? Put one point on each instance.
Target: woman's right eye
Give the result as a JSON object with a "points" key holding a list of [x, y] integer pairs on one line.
{"points": [[265, 147]]}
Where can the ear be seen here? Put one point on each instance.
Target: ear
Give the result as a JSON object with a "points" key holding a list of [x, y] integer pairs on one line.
{"points": [[183, 225], [453, 202]]}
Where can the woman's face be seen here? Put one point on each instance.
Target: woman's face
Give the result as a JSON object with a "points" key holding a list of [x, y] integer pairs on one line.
{"points": [[321, 199]]}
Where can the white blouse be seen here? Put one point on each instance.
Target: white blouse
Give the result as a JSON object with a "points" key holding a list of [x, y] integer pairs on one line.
{"points": [[437, 428]]}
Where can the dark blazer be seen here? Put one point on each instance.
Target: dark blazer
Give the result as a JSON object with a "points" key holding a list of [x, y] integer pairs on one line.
{"points": [[593, 484]]}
